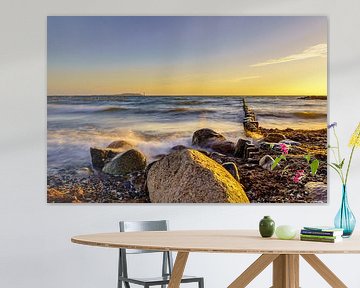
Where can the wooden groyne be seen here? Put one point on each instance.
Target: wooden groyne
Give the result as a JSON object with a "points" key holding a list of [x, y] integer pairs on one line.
{"points": [[245, 149], [251, 125], [249, 121]]}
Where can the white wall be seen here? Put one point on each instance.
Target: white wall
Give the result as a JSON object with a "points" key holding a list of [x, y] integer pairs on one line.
{"points": [[35, 248]]}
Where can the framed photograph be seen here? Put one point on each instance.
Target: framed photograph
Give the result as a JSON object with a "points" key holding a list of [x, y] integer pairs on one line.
{"points": [[180, 109]]}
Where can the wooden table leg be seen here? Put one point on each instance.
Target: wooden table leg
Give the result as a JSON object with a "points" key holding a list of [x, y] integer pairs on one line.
{"points": [[286, 271], [324, 271], [178, 269], [253, 270]]}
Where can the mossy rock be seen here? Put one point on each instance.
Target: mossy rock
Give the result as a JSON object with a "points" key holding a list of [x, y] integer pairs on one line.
{"points": [[120, 144], [126, 163], [188, 176], [204, 137], [100, 156]]}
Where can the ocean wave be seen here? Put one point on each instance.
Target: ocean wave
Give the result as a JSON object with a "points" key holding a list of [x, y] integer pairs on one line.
{"points": [[310, 115], [111, 109], [66, 108], [191, 102], [70, 148], [189, 110], [301, 115], [173, 111]]}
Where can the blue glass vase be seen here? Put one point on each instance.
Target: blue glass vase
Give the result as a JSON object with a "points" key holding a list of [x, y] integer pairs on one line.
{"points": [[345, 219]]}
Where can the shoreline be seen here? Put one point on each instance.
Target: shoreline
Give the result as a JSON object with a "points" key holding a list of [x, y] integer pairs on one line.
{"points": [[87, 185], [248, 160], [305, 97]]}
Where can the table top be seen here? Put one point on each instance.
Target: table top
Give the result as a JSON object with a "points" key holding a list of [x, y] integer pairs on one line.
{"points": [[216, 241]]}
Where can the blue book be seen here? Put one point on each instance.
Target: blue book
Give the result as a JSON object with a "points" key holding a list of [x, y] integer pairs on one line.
{"points": [[322, 231]]}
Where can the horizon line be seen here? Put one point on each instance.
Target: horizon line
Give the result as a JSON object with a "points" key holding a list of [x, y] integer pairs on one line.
{"points": [[176, 95]]}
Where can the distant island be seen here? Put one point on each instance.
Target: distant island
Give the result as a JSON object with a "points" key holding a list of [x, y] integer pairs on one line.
{"points": [[311, 97], [97, 95]]}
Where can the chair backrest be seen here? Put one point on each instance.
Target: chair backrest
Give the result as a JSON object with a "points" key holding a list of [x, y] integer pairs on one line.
{"points": [[137, 226]]}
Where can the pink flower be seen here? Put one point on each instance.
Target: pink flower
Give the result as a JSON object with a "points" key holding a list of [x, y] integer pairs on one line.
{"points": [[299, 174], [284, 148]]}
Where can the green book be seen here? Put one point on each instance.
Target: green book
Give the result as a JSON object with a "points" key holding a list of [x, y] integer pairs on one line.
{"points": [[319, 236], [325, 240]]}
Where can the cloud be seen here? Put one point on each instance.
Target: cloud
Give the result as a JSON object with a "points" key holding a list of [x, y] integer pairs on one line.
{"points": [[246, 78], [319, 50], [239, 79], [234, 79]]}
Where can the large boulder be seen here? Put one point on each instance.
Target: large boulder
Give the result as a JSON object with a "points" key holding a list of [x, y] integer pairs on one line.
{"points": [[240, 147], [316, 192], [126, 163], [232, 168], [188, 176], [100, 156], [207, 138], [178, 148], [316, 188], [266, 162], [120, 144], [290, 142], [204, 137], [274, 137], [224, 147]]}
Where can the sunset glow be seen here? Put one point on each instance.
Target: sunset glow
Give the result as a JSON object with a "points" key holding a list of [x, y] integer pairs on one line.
{"points": [[187, 55]]}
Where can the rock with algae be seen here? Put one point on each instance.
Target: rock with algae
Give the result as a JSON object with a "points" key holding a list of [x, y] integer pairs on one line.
{"points": [[188, 176]]}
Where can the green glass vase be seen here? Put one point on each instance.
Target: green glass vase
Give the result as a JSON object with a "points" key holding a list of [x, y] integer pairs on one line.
{"points": [[266, 227]]}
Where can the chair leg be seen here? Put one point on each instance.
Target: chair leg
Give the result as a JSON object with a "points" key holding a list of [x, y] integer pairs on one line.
{"points": [[120, 273], [165, 266], [201, 283]]}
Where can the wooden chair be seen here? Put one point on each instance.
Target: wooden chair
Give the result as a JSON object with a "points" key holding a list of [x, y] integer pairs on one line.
{"points": [[167, 262]]}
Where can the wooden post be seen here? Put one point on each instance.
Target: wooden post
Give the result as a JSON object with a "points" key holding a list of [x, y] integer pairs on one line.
{"points": [[286, 271]]}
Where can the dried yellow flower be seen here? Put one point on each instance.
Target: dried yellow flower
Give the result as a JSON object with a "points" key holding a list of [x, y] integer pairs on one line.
{"points": [[355, 138]]}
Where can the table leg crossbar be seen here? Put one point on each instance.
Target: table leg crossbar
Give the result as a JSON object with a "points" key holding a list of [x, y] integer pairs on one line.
{"points": [[178, 270], [254, 270], [285, 271], [324, 271]]}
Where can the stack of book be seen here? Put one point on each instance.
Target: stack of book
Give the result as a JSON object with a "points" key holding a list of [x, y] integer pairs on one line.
{"points": [[321, 234]]}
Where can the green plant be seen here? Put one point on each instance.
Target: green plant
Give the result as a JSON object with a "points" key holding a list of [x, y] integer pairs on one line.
{"points": [[299, 174], [340, 162]]}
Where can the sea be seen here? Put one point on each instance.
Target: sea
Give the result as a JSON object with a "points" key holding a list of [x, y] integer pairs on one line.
{"points": [[154, 124]]}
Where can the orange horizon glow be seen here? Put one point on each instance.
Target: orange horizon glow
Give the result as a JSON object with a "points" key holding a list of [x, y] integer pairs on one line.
{"points": [[295, 68]]}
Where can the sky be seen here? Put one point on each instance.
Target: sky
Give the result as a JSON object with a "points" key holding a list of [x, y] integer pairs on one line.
{"points": [[165, 55]]}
